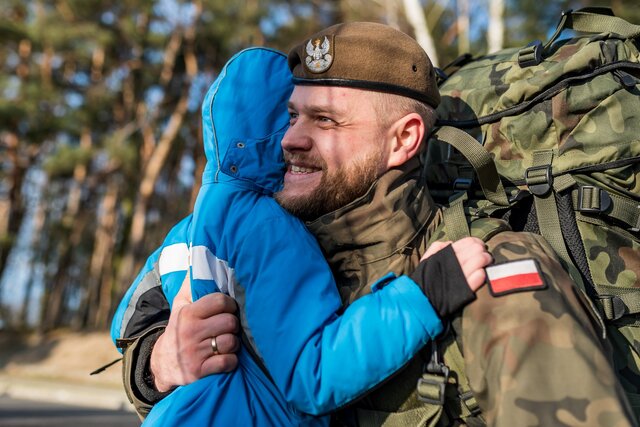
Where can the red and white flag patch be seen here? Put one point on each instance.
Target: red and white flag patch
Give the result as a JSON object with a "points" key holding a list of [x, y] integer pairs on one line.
{"points": [[514, 276]]}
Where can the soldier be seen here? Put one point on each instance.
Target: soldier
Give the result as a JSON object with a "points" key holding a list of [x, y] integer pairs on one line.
{"points": [[527, 352]]}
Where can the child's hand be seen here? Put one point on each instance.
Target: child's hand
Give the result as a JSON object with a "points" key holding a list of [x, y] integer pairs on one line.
{"points": [[472, 256]]}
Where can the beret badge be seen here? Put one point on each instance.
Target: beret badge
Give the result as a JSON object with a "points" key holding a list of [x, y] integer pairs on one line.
{"points": [[319, 57]]}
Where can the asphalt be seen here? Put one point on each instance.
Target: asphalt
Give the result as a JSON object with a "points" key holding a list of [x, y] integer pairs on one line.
{"points": [[65, 392], [29, 413]]}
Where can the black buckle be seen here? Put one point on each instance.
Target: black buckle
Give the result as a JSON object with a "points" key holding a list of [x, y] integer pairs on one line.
{"points": [[441, 76], [531, 54], [615, 306], [539, 183], [592, 199], [469, 400], [435, 376], [440, 374], [462, 184]]}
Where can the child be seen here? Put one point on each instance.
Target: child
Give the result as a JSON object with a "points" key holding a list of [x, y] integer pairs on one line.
{"points": [[299, 357]]}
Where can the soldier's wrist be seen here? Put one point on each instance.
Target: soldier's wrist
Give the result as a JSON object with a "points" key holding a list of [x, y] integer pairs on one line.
{"points": [[152, 377], [144, 377]]}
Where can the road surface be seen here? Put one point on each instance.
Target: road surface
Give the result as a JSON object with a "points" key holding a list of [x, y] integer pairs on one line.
{"points": [[22, 413]]}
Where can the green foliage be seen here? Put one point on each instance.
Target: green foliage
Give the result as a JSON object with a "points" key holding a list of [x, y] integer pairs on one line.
{"points": [[95, 82], [123, 153], [63, 161]]}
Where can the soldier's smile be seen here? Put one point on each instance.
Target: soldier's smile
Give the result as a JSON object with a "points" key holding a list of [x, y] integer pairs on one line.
{"points": [[302, 175]]}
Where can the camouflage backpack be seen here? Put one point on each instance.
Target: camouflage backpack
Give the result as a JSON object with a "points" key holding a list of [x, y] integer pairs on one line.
{"points": [[559, 155]]}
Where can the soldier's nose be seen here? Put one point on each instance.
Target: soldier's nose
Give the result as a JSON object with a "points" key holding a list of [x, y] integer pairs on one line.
{"points": [[296, 139]]}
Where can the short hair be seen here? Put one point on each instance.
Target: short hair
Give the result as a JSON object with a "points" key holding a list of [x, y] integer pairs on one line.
{"points": [[391, 107]]}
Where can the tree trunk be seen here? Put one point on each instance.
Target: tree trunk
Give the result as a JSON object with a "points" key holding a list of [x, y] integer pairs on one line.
{"points": [[150, 175], [38, 226], [391, 13], [463, 27], [153, 166], [98, 299], [78, 183], [76, 222], [54, 301], [415, 15], [495, 29], [13, 206]]}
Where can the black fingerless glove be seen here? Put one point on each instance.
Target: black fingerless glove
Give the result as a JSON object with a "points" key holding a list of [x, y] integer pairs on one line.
{"points": [[442, 281]]}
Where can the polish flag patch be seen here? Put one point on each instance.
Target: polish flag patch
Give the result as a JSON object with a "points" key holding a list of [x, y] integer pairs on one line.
{"points": [[515, 276]]}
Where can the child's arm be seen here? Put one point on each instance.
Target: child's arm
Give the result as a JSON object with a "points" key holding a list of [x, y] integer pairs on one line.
{"points": [[289, 307], [170, 259]]}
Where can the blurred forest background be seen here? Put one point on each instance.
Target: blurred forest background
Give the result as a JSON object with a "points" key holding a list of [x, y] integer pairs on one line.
{"points": [[99, 122]]}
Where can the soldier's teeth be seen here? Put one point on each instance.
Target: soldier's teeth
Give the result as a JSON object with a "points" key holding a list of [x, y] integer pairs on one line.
{"points": [[300, 169]]}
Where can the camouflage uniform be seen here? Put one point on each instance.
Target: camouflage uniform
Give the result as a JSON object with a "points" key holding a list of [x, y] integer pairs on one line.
{"points": [[571, 115], [532, 358]]}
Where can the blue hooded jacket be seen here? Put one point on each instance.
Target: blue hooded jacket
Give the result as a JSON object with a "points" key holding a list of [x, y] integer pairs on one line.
{"points": [[242, 243]]}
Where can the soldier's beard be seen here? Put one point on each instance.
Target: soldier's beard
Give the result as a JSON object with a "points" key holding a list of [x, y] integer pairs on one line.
{"points": [[336, 189]]}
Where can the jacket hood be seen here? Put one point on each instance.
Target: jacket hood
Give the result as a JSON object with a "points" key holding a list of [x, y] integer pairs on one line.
{"points": [[244, 117]]}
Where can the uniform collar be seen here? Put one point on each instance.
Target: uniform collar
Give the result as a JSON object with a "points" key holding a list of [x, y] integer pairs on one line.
{"points": [[381, 223]]}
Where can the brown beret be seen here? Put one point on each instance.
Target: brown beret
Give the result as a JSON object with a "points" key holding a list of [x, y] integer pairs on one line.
{"points": [[365, 55]]}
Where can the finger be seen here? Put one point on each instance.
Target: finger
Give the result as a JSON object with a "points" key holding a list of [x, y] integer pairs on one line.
{"points": [[227, 343], [477, 262], [467, 250], [469, 243], [183, 297], [212, 304], [219, 324], [476, 279], [472, 240], [433, 248], [219, 363]]}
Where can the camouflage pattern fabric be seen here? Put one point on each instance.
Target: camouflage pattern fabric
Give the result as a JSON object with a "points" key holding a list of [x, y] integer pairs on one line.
{"points": [[533, 358], [385, 230], [581, 104], [395, 239]]}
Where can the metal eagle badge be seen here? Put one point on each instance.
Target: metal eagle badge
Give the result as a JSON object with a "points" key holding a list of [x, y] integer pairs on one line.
{"points": [[319, 58]]}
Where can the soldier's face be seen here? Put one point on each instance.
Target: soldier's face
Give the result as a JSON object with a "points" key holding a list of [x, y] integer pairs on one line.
{"points": [[334, 149]]}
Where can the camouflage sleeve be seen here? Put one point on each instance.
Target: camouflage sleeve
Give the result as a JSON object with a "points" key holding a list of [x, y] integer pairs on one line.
{"points": [[533, 352]]}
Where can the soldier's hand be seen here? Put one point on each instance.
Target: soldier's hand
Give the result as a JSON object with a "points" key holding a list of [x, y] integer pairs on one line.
{"points": [[184, 352], [472, 256]]}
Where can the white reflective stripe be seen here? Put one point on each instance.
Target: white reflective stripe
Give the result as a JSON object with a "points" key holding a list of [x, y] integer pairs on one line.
{"points": [[206, 266], [174, 258]]}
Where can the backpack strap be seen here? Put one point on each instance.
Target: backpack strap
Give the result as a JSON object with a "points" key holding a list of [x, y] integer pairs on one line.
{"points": [[458, 400], [480, 160], [596, 20], [589, 199], [615, 301], [486, 171], [454, 218], [543, 185], [585, 20]]}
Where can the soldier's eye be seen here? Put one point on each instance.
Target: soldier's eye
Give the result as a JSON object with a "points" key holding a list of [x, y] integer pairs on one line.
{"points": [[325, 119]]}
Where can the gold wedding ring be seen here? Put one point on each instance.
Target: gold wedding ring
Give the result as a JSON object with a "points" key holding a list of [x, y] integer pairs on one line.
{"points": [[214, 346]]}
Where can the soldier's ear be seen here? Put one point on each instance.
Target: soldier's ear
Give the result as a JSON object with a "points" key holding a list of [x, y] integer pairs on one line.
{"points": [[405, 136]]}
